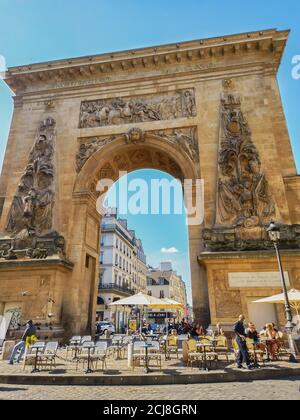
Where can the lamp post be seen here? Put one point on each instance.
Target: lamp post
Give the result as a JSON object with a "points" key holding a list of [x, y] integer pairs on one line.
{"points": [[274, 236]]}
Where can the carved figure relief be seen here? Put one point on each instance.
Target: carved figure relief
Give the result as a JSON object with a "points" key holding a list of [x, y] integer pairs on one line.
{"points": [[32, 206], [30, 217], [103, 113], [184, 139], [244, 204], [243, 192], [88, 148]]}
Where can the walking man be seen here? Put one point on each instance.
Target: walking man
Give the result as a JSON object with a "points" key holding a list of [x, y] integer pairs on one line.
{"points": [[21, 346], [243, 355]]}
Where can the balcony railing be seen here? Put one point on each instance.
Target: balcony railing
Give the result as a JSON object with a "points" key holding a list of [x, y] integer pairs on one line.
{"points": [[116, 287]]}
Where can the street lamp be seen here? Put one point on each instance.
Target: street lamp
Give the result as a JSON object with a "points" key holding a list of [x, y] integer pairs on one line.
{"points": [[274, 235]]}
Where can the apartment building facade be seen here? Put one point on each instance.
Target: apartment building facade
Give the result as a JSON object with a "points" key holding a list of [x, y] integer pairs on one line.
{"points": [[164, 282], [123, 268]]}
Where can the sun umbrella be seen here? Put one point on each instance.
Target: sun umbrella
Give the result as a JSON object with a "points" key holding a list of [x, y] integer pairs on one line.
{"points": [[294, 298], [167, 304], [137, 300]]}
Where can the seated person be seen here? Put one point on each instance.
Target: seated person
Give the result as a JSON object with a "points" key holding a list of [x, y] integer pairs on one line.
{"points": [[273, 337], [219, 331], [145, 328], [253, 334], [198, 331]]}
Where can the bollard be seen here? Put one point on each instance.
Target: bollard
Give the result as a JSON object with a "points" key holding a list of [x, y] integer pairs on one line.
{"points": [[130, 355]]}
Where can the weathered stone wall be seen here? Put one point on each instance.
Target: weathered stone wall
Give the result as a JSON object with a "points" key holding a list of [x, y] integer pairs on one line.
{"points": [[139, 107]]}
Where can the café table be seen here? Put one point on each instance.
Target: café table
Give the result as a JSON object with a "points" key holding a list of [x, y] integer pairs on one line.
{"points": [[89, 349], [37, 347], [76, 344], [147, 346], [203, 347]]}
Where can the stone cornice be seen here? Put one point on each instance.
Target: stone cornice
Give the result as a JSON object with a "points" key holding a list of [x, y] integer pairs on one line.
{"points": [[32, 264], [265, 47], [218, 257]]}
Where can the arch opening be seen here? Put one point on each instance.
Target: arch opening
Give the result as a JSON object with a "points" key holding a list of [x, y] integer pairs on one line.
{"points": [[111, 162]]}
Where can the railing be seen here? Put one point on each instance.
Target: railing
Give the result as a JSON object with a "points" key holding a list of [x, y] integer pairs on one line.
{"points": [[116, 287]]}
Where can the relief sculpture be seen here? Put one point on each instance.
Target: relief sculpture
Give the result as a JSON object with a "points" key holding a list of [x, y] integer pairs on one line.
{"points": [[185, 139], [31, 215], [101, 113], [244, 202], [243, 191]]}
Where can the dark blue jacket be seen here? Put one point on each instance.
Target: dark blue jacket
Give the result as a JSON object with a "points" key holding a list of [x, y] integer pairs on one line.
{"points": [[239, 329]]}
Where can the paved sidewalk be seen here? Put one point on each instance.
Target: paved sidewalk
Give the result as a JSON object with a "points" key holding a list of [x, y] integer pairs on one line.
{"points": [[284, 389]]}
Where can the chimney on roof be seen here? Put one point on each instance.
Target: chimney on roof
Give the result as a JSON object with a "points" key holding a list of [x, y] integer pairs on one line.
{"points": [[166, 266]]}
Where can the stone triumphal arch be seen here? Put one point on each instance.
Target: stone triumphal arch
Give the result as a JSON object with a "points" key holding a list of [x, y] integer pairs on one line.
{"points": [[205, 109]]}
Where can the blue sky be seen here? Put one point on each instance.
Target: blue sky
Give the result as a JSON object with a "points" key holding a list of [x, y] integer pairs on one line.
{"points": [[158, 232], [34, 31]]}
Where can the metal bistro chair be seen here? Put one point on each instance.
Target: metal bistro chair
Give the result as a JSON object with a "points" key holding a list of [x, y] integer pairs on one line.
{"points": [[172, 346], [86, 353], [193, 354], [30, 357], [85, 339], [222, 348], [283, 350], [154, 353], [139, 354], [209, 355], [116, 346], [100, 354], [49, 355], [256, 354], [73, 345], [125, 342]]}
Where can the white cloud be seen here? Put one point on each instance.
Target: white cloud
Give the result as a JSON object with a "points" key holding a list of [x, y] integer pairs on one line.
{"points": [[2, 67], [172, 250]]}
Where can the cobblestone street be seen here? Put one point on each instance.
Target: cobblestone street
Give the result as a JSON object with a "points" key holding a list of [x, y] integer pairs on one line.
{"points": [[287, 389]]}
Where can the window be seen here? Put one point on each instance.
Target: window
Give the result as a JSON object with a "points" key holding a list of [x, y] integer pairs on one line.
{"points": [[149, 293], [100, 301], [162, 294], [117, 242], [102, 257], [116, 259], [120, 262]]}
